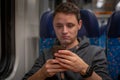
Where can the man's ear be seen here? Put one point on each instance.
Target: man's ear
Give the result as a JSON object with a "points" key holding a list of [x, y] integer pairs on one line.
{"points": [[80, 24]]}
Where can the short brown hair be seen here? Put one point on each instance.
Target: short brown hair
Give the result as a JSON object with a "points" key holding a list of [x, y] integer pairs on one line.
{"points": [[68, 8]]}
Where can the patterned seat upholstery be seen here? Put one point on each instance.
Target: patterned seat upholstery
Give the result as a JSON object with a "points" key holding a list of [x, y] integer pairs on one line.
{"points": [[103, 36], [113, 45]]}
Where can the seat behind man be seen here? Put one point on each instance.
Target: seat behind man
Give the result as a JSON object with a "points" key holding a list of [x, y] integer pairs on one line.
{"points": [[91, 25], [113, 45], [47, 34]]}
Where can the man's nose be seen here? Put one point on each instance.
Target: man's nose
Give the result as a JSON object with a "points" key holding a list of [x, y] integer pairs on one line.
{"points": [[65, 30]]}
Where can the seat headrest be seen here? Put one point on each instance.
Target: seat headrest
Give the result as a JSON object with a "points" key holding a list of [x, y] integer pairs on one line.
{"points": [[114, 25], [46, 25], [90, 23]]}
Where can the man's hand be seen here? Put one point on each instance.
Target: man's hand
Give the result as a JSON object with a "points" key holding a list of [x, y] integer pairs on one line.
{"points": [[51, 67], [71, 61]]}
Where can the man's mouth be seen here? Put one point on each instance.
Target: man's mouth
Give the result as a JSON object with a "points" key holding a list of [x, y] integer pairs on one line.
{"points": [[65, 37]]}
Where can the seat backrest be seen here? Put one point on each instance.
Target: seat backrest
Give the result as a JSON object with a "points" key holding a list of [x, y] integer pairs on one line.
{"points": [[43, 20], [113, 45], [91, 25], [47, 34], [46, 26]]}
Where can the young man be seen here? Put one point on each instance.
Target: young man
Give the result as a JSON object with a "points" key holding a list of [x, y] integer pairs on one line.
{"points": [[78, 61]]}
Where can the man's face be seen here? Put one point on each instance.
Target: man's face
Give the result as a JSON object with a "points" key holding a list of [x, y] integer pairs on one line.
{"points": [[66, 27]]}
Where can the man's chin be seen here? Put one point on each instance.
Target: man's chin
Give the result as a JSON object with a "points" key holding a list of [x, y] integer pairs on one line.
{"points": [[65, 42]]}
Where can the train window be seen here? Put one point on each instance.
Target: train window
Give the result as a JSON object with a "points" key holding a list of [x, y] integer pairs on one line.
{"points": [[7, 37]]}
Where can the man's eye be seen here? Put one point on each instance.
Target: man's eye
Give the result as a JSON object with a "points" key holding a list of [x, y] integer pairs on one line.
{"points": [[59, 26], [70, 25]]}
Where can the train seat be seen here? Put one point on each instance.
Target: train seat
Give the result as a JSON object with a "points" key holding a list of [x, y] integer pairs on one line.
{"points": [[91, 25], [113, 45], [47, 34]]}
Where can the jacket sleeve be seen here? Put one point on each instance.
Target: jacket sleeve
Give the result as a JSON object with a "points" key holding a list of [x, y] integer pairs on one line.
{"points": [[38, 64], [100, 64]]}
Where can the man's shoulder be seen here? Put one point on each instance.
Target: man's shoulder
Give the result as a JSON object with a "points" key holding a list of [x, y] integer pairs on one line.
{"points": [[96, 50], [94, 47]]}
